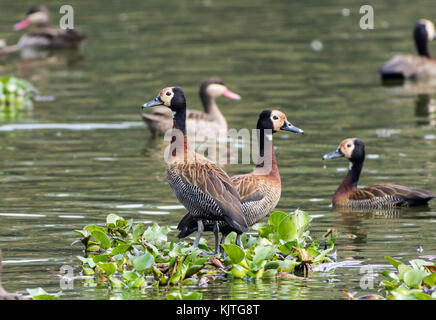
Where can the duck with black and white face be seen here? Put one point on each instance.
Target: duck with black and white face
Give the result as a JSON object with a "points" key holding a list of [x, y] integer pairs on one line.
{"points": [[383, 195], [201, 186]]}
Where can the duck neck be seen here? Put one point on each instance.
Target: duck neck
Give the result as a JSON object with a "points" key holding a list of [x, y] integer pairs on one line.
{"points": [[421, 43], [350, 182], [267, 162], [179, 140], [210, 106]]}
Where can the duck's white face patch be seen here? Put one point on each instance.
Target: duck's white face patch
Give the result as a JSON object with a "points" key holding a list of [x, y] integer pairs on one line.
{"points": [[278, 119], [215, 89], [429, 27], [347, 147]]}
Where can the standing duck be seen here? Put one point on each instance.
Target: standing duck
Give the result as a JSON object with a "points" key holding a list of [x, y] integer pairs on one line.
{"points": [[260, 189], [410, 66], [201, 186], [384, 195], [160, 120], [44, 35]]}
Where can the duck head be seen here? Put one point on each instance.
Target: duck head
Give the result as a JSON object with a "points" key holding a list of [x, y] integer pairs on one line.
{"points": [[39, 16], [171, 97], [424, 31], [213, 88], [276, 120], [352, 149]]}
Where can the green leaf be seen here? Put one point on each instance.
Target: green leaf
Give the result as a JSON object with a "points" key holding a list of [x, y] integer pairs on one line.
{"points": [[394, 262], [41, 294], [276, 217], [262, 253], [109, 268], [111, 220], [301, 220], [120, 249], [430, 280], [130, 275], [287, 229], [102, 238], [402, 269], [238, 271], [414, 277], [143, 262], [235, 253]]}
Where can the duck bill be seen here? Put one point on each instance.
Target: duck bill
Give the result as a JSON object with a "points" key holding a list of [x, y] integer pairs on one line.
{"points": [[21, 25], [287, 126], [153, 103], [332, 155], [231, 95]]}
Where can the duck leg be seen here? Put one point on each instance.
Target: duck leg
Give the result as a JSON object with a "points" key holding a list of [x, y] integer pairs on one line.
{"points": [[216, 230], [199, 232], [238, 240]]}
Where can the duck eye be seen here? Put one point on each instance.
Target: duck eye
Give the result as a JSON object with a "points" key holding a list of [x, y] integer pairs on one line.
{"points": [[275, 117], [168, 93], [348, 145]]}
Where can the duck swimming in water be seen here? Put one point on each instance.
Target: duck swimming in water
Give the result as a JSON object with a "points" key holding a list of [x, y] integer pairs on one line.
{"points": [[421, 66], [201, 186], [260, 189], [44, 35], [383, 195], [160, 120]]}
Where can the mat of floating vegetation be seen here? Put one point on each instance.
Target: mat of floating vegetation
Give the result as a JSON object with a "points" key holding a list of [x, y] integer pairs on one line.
{"points": [[122, 254]]}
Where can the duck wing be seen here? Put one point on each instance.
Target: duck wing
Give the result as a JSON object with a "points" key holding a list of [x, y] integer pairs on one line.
{"points": [[391, 194], [248, 187], [206, 186]]}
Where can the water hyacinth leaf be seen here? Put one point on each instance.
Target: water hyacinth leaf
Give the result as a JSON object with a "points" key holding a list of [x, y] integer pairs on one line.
{"points": [[235, 253], [100, 258], [92, 227], [230, 238], [430, 280], [120, 249], [394, 262], [138, 230], [102, 238], [143, 262], [109, 268], [276, 217], [111, 220], [263, 253], [238, 271], [130, 275], [418, 263], [422, 296], [287, 230], [402, 269], [41, 294], [413, 278], [302, 220]]}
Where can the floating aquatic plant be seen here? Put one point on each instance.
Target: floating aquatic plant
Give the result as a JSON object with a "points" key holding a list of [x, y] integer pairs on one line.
{"points": [[125, 255], [413, 281], [15, 96]]}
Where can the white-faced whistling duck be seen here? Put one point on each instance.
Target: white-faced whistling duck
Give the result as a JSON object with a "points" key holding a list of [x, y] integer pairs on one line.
{"points": [[202, 187], [44, 35], [260, 190], [384, 195], [421, 66], [160, 120]]}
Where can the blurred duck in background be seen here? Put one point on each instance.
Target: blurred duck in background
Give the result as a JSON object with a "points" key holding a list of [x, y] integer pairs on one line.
{"points": [[160, 119], [422, 66], [45, 35]]}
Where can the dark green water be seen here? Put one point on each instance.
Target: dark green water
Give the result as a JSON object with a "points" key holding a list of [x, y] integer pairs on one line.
{"points": [[100, 159]]}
